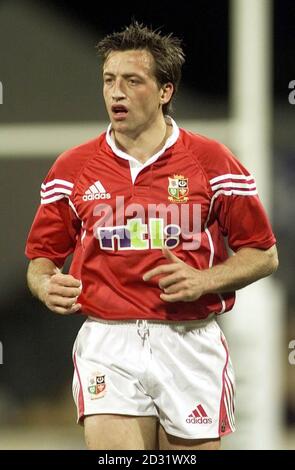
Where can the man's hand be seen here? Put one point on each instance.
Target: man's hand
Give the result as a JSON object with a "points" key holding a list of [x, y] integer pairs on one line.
{"points": [[180, 283], [60, 293]]}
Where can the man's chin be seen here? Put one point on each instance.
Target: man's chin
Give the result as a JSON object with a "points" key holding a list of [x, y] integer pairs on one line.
{"points": [[119, 126]]}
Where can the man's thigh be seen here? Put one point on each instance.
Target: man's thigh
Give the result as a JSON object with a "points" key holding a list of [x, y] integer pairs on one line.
{"points": [[168, 442], [120, 432]]}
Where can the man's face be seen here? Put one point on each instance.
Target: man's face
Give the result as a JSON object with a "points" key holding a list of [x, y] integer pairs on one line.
{"points": [[130, 90]]}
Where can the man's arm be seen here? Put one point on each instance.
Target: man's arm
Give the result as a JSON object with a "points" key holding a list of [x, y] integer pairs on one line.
{"points": [[57, 291], [181, 282]]}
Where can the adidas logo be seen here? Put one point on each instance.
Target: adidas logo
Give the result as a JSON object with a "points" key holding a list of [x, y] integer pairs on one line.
{"points": [[96, 191], [198, 416]]}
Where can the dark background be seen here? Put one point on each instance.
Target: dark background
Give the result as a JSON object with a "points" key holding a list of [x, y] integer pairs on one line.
{"points": [[202, 25], [37, 344]]}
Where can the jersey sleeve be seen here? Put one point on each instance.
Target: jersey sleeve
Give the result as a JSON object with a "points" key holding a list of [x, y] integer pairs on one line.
{"points": [[56, 227], [235, 202]]}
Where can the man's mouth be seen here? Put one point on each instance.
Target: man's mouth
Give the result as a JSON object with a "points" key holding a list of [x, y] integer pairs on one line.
{"points": [[119, 111]]}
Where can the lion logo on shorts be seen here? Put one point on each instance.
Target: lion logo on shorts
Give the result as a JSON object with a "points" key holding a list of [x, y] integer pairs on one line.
{"points": [[96, 385]]}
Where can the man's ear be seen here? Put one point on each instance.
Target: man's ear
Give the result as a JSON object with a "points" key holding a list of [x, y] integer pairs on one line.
{"points": [[166, 93]]}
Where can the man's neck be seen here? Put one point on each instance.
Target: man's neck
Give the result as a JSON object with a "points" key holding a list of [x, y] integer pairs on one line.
{"points": [[147, 143]]}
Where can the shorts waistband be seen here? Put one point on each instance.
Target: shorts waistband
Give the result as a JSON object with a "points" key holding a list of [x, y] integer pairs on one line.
{"points": [[157, 323]]}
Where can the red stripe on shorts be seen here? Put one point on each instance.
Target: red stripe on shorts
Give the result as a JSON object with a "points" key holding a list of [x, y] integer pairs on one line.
{"points": [[224, 425], [81, 407]]}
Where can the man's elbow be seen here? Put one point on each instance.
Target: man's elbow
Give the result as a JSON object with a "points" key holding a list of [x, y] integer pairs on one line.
{"points": [[272, 260]]}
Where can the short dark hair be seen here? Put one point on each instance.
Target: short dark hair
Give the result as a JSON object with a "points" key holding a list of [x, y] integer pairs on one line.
{"points": [[166, 50]]}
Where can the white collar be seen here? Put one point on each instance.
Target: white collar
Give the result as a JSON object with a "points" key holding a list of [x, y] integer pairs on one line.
{"points": [[133, 161]]}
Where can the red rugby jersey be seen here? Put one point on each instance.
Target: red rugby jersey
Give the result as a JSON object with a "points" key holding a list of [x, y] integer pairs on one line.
{"points": [[114, 214]]}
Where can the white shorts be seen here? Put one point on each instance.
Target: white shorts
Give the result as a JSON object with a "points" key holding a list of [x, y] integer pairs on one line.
{"points": [[179, 372]]}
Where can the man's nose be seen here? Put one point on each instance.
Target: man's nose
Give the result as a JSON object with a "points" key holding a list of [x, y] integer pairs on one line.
{"points": [[118, 92]]}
